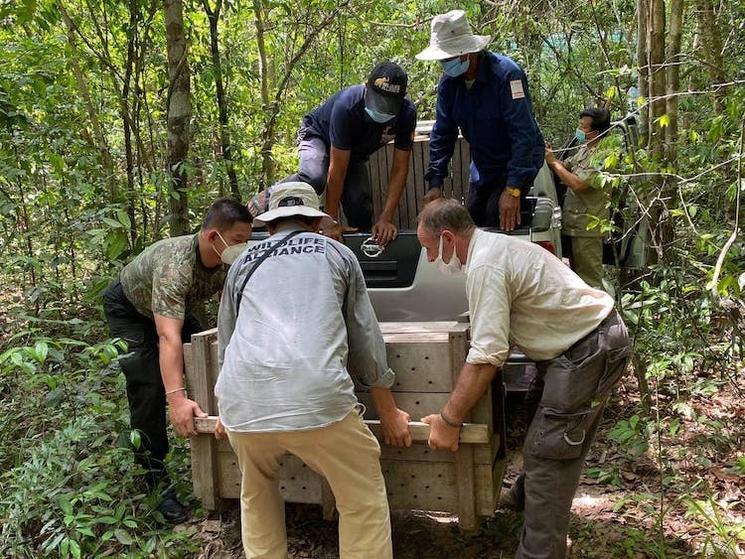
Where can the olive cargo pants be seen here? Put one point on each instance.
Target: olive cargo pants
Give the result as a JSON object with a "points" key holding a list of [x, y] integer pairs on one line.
{"points": [[571, 391]]}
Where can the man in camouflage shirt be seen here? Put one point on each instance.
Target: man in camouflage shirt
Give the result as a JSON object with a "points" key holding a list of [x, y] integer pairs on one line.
{"points": [[149, 306], [587, 198]]}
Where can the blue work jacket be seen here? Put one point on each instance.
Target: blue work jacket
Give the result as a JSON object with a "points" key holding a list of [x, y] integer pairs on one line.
{"points": [[495, 115]]}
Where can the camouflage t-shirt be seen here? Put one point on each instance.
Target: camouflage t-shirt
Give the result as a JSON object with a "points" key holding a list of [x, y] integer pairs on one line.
{"points": [[593, 201], [168, 277]]}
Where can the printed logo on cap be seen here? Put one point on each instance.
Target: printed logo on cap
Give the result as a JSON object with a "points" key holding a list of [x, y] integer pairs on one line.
{"points": [[291, 201], [385, 84]]}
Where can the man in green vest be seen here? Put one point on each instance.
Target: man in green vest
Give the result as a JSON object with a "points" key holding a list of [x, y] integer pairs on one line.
{"points": [[150, 306], [587, 197]]}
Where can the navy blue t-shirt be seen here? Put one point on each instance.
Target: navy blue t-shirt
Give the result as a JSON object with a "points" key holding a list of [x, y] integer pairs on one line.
{"points": [[341, 121]]}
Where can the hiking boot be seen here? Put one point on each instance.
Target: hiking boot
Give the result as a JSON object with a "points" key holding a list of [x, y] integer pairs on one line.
{"points": [[510, 501], [170, 507], [514, 498]]}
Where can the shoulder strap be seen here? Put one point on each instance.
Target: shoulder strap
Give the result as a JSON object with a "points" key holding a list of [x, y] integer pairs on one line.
{"points": [[267, 253]]}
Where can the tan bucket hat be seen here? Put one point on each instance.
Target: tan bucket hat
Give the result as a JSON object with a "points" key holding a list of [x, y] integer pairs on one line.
{"points": [[452, 36], [289, 199]]}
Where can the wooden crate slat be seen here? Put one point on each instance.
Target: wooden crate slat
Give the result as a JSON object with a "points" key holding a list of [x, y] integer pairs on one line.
{"points": [[456, 184], [421, 485], [464, 471], [419, 367], [465, 157], [375, 183], [383, 170], [417, 452], [420, 156], [470, 433], [416, 404], [297, 482], [409, 196], [205, 475], [426, 329]]}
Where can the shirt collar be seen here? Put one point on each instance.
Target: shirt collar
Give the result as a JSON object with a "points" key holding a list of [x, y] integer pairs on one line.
{"points": [[200, 265], [483, 72], [289, 227], [474, 239]]}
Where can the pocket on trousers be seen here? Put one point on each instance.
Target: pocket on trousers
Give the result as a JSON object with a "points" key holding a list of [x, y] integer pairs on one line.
{"points": [[569, 386], [559, 436], [615, 367]]}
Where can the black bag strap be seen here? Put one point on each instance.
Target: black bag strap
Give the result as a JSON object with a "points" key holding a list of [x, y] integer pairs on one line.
{"points": [[267, 253]]}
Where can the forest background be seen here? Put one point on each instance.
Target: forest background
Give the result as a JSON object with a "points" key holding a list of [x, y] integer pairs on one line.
{"points": [[121, 120]]}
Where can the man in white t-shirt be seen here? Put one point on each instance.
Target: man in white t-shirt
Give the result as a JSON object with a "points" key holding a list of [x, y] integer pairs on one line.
{"points": [[521, 295]]}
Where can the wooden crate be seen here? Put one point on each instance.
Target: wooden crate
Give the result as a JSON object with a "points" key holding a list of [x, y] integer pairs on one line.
{"points": [[455, 185], [427, 358]]}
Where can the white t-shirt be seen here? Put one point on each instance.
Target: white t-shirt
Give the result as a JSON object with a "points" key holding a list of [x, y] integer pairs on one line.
{"points": [[520, 294]]}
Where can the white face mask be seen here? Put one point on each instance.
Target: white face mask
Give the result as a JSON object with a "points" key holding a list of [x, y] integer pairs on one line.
{"points": [[231, 252], [451, 268]]}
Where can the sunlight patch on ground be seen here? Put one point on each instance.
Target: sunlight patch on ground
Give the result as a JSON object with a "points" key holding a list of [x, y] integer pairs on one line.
{"points": [[591, 503]]}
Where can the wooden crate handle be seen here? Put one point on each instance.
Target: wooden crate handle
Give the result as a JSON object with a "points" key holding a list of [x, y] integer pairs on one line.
{"points": [[471, 433]]}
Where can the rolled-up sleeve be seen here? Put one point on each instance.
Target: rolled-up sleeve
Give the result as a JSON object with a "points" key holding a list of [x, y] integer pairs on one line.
{"points": [[367, 360], [442, 138], [523, 130], [489, 308]]}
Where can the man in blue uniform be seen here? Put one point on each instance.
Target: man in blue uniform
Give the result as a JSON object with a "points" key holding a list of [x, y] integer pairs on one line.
{"points": [[337, 138], [486, 96]]}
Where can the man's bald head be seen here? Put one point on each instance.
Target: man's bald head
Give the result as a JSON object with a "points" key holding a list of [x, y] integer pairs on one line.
{"points": [[446, 214]]}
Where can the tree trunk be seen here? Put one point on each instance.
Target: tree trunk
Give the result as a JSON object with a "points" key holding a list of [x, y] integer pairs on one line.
{"points": [[126, 115], [712, 46], [179, 115], [82, 83], [656, 60], [675, 32], [267, 135], [641, 61], [222, 103]]}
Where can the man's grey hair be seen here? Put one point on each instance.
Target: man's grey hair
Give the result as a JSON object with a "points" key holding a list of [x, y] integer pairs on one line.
{"points": [[446, 213]]}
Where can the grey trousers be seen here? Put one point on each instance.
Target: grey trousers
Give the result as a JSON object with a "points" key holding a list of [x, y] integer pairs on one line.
{"points": [[573, 389]]}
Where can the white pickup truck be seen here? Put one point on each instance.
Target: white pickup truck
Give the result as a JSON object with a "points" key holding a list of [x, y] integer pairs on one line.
{"points": [[404, 287]]}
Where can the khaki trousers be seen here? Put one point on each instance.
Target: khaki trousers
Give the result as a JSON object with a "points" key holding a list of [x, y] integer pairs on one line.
{"points": [[347, 454], [587, 260]]}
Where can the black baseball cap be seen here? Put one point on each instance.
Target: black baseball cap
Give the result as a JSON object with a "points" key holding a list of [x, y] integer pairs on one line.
{"points": [[386, 88]]}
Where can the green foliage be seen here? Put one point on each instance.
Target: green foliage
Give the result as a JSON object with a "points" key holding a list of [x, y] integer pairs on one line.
{"points": [[723, 532], [632, 435], [73, 210], [69, 488]]}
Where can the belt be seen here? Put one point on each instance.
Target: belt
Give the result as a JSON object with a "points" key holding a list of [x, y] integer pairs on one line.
{"points": [[611, 315]]}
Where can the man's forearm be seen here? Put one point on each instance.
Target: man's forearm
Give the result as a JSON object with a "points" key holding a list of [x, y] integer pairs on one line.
{"points": [[396, 186], [567, 177], [383, 400], [334, 188], [171, 363], [473, 382]]}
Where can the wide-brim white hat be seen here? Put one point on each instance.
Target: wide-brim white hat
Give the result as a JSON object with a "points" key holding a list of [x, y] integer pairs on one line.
{"points": [[291, 199], [452, 36]]}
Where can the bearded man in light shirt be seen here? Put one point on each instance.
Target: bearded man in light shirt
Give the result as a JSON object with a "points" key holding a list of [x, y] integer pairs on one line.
{"points": [[521, 295]]}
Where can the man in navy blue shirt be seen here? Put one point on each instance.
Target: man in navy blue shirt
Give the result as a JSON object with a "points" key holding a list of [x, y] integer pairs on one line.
{"points": [[486, 96], [337, 138]]}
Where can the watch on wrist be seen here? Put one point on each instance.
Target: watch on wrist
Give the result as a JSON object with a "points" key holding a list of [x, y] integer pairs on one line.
{"points": [[514, 192]]}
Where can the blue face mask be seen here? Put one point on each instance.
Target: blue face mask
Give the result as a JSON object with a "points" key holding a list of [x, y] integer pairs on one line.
{"points": [[580, 135], [378, 117], [455, 67]]}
